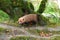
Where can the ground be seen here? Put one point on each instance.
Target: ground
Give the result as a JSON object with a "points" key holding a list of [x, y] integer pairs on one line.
{"points": [[33, 32]]}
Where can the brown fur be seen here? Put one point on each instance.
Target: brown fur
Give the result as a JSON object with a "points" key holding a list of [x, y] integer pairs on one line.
{"points": [[30, 17]]}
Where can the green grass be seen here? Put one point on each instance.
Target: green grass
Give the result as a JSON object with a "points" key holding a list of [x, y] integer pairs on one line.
{"points": [[31, 38], [56, 38], [2, 29], [23, 38]]}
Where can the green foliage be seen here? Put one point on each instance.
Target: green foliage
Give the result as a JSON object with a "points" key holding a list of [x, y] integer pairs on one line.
{"points": [[3, 16], [16, 8], [51, 7], [42, 6]]}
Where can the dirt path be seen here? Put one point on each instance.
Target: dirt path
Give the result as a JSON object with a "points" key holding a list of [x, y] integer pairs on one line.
{"points": [[7, 37]]}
